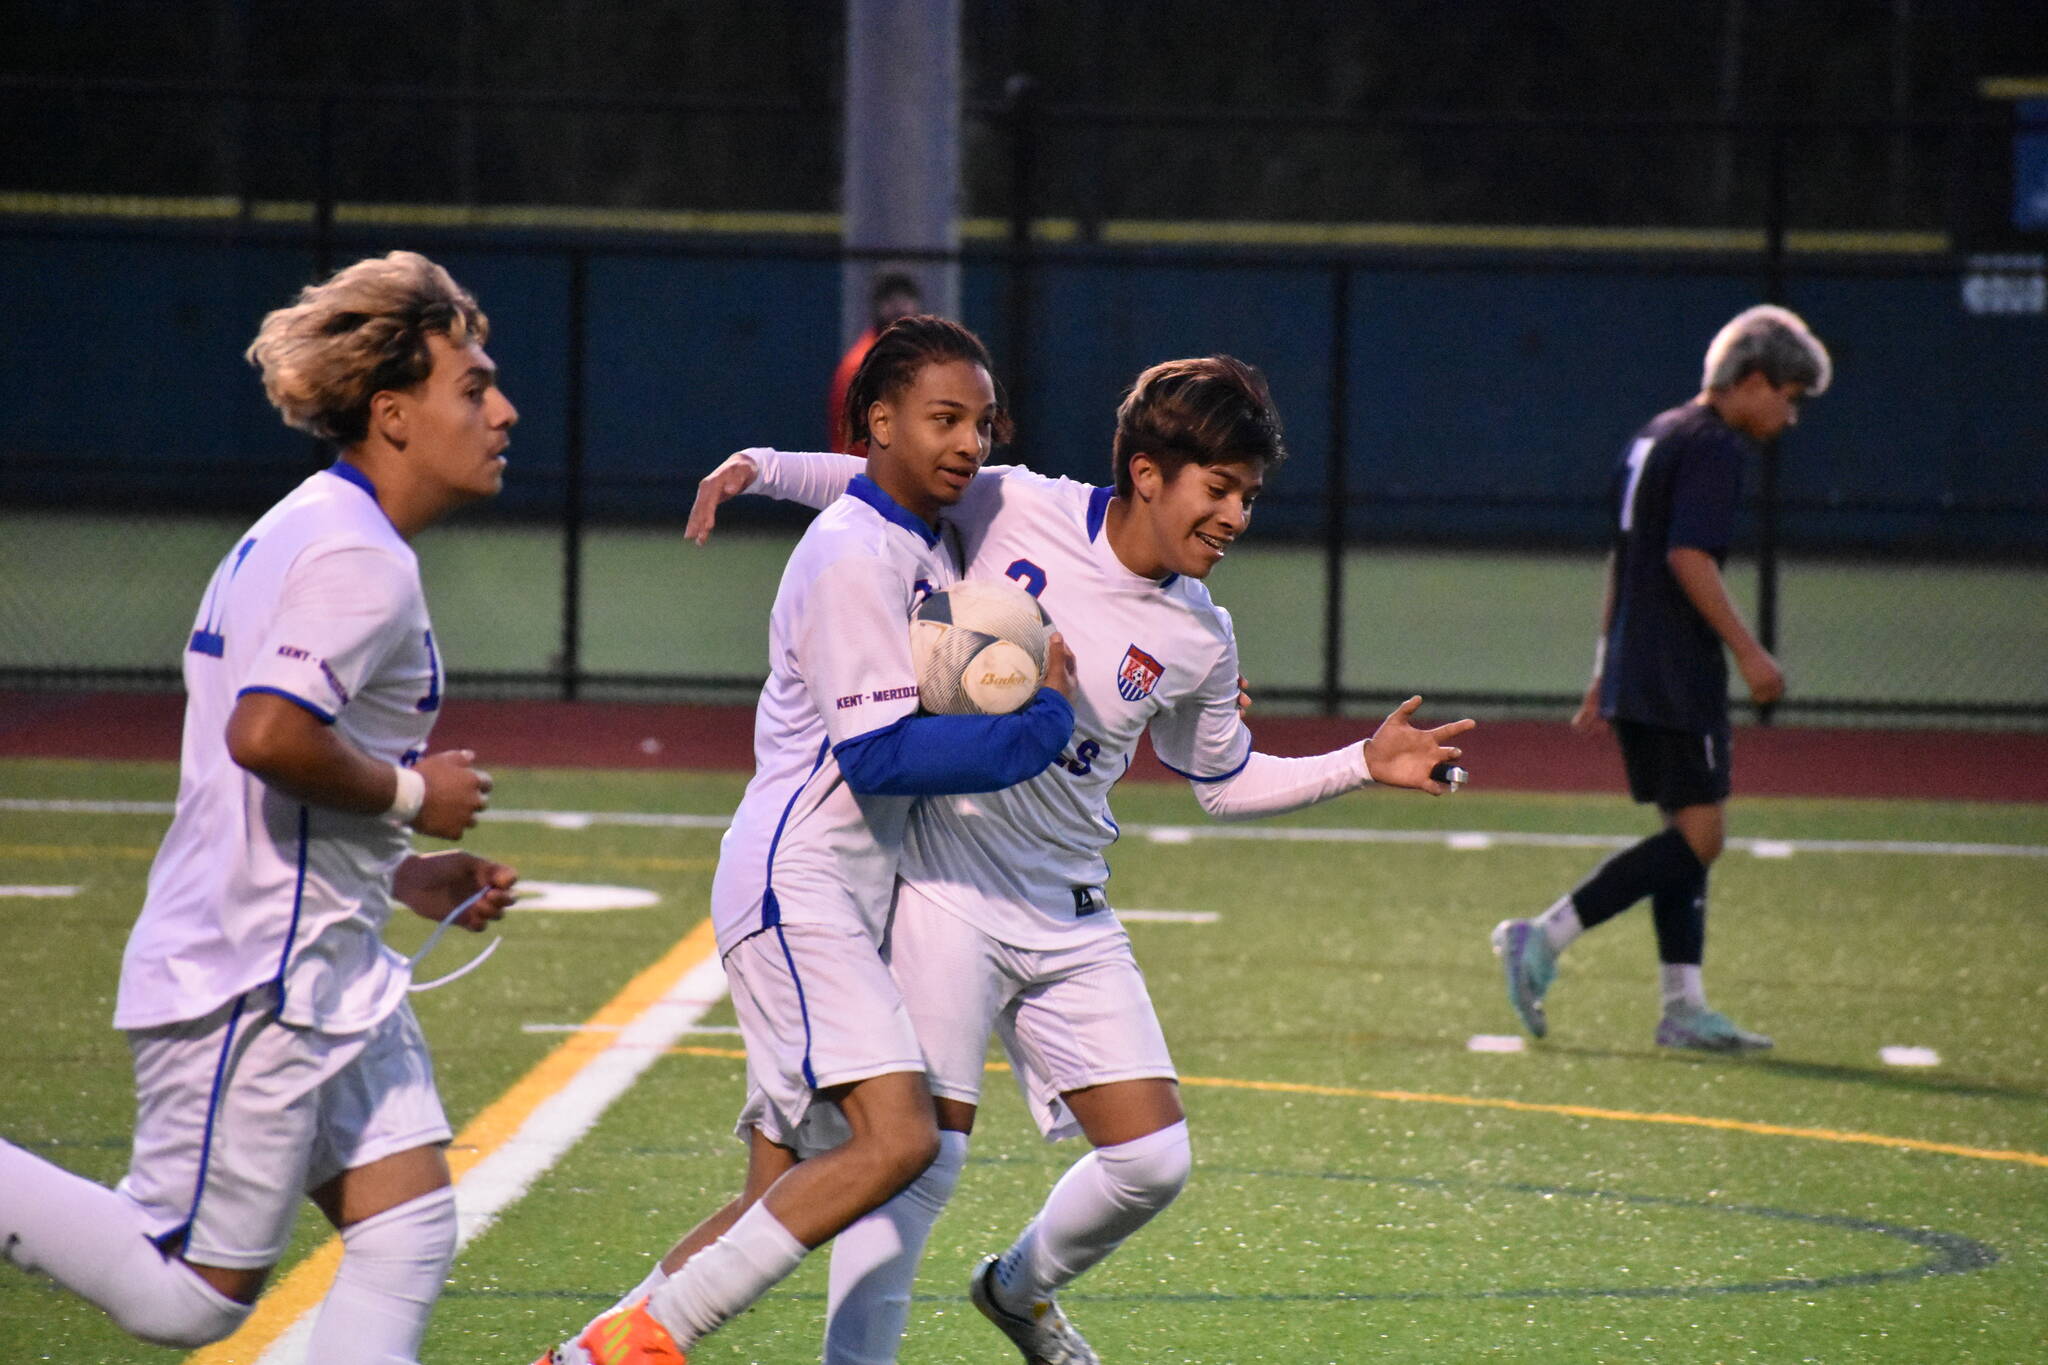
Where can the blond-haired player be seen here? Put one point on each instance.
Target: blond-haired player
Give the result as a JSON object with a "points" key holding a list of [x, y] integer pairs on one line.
{"points": [[275, 1054]]}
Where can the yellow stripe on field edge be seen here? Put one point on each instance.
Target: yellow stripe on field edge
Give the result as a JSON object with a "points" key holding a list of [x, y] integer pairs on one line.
{"points": [[1577, 1111], [302, 1289]]}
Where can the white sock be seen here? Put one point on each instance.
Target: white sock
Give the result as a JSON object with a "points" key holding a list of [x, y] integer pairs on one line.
{"points": [[640, 1292], [874, 1263], [1682, 985], [393, 1266], [1103, 1198], [718, 1283], [93, 1241], [1560, 924]]}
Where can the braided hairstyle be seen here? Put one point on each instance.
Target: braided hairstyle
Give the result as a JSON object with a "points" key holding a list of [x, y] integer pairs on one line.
{"points": [[903, 348]]}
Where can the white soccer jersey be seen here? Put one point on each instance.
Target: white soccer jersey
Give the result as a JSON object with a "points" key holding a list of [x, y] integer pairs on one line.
{"points": [[1026, 865], [803, 846], [319, 602]]}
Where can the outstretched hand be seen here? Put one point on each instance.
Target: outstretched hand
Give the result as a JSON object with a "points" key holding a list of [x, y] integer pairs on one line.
{"points": [[1399, 755], [432, 884], [721, 485]]}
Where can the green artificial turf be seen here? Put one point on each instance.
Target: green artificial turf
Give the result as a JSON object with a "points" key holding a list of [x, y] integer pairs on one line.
{"points": [[1359, 1190]]}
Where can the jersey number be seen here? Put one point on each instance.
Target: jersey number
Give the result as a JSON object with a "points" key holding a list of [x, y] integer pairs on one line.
{"points": [[207, 639], [1638, 456], [432, 701], [1083, 761], [1027, 573]]}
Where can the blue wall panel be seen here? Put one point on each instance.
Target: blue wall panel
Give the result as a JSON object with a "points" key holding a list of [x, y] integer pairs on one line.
{"points": [[1483, 404]]}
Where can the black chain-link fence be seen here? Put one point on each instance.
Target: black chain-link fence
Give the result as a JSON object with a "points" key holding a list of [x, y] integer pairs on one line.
{"points": [[1455, 391]]}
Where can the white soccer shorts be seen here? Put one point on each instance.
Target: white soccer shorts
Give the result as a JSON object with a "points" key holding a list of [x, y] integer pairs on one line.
{"points": [[270, 1111], [817, 1009], [1068, 1018]]}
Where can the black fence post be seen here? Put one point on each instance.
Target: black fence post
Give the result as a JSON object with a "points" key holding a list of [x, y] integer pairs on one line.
{"points": [[1767, 481], [1336, 490], [571, 671], [1021, 95], [323, 200]]}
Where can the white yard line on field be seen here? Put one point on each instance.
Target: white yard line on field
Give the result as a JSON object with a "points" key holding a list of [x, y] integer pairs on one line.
{"points": [[1462, 840]]}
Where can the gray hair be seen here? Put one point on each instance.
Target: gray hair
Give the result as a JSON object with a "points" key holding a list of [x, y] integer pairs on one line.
{"points": [[1772, 341], [358, 334]]}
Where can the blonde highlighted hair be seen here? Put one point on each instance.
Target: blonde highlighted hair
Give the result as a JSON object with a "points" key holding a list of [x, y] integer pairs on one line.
{"points": [[1770, 340], [357, 334]]}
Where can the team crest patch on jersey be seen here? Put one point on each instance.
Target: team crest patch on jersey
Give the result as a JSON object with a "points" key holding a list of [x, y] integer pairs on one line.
{"points": [[1138, 675]]}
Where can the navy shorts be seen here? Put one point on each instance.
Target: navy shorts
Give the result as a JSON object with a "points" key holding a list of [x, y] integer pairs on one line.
{"points": [[1674, 768]]}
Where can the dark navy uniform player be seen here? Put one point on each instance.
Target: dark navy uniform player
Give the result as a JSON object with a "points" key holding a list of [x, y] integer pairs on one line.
{"points": [[1659, 675]]}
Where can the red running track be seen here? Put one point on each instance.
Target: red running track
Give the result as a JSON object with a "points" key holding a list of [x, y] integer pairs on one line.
{"points": [[1963, 765]]}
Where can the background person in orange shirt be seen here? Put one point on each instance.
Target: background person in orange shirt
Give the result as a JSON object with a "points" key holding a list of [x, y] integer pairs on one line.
{"points": [[895, 295]]}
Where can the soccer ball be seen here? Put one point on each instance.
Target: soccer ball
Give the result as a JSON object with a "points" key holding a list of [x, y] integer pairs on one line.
{"points": [[978, 648]]}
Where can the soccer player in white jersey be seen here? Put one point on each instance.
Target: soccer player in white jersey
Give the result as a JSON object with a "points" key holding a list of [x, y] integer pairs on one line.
{"points": [[1002, 920], [838, 1116], [274, 1050]]}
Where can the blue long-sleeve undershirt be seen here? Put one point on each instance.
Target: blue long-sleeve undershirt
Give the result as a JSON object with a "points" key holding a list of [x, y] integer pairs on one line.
{"points": [[944, 755]]}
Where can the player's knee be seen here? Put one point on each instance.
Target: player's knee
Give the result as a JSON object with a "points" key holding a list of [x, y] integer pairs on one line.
{"points": [[1150, 1171], [406, 1250], [178, 1309], [906, 1151]]}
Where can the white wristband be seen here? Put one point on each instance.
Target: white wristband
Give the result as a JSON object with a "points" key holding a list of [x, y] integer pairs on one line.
{"points": [[411, 795], [1600, 656]]}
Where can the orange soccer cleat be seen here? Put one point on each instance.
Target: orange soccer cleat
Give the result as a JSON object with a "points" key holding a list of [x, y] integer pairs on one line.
{"points": [[630, 1336]]}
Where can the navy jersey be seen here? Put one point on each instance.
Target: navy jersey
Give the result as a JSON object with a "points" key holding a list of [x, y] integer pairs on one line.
{"points": [[1677, 485]]}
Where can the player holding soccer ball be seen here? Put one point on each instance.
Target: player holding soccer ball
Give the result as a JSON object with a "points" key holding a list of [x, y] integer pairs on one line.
{"points": [[839, 1116], [1002, 918], [1659, 677]]}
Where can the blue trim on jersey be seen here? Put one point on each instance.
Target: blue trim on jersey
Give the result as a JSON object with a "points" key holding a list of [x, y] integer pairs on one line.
{"points": [[343, 470], [803, 1008], [870, 492], [174, 1240], [325, 718], [771, 909], [209, 643], [298, 903], [1098, 509], [1098, 513], [919, 755], [1220, 777]]}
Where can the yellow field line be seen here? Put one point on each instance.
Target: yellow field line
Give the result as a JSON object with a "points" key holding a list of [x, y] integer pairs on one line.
{"points": [[74, 851], [307, 1283], [1580, 1111], [1576, 1111]]}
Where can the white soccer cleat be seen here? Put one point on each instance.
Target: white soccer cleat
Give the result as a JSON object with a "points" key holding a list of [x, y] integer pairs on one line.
{"points": [[1530, 966], [1705, 1030], [1044, 1336]]}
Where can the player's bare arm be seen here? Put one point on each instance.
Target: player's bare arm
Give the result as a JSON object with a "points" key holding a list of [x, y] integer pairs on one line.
{"points": [[1700, 577], [1399, 755], [432, 884], [721, 485], [292, 751], [1586, 719]]}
